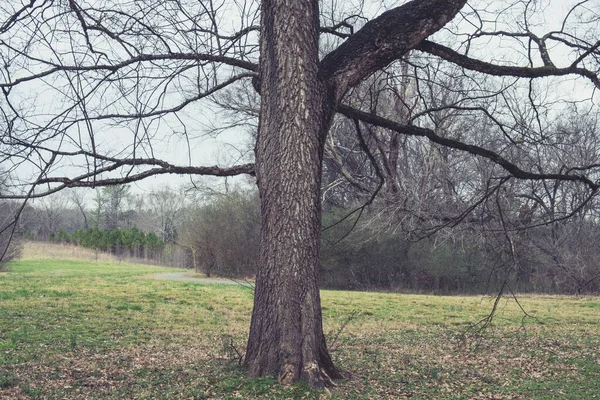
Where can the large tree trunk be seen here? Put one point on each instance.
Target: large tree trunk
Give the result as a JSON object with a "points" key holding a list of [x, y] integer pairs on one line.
{"points": [[298, 96], [286, 335]]}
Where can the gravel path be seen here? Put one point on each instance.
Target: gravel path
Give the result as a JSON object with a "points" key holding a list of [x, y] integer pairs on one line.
{"points": [[183, 277]]}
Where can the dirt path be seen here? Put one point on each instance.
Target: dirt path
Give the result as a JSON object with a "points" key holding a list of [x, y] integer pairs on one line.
{"points": [[183, 277]]}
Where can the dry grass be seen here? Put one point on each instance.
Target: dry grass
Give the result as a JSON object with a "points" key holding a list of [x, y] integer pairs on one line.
{"points": [[54, 251], [44, 251]]}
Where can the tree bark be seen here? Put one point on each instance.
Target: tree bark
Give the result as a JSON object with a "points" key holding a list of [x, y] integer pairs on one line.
{"points": [[286, 335]]}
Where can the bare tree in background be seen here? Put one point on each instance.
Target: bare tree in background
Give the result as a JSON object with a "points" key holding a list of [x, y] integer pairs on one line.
{"points": [[166, 206], [98, 204], [115, 197], [78, 199], [10, 239], [94, 94], [50, 214], [10, 235]]}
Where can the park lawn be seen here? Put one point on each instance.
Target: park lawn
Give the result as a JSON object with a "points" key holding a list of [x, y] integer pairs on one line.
{"points": [[75, 329]]}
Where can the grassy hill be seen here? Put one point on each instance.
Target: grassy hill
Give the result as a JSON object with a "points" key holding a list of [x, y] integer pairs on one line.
{"points": [[76, 328]]}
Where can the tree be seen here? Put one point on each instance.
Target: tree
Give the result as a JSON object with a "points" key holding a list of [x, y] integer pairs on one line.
{"points": [[99, 202], [129, 73], [166, 206], [113, 208], [77, 197]]}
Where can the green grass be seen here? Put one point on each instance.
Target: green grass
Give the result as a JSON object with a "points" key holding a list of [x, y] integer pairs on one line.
{"points": [[73, 329]]}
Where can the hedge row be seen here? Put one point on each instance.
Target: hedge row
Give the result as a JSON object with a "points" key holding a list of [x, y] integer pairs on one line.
{"points": [[116, 241]]}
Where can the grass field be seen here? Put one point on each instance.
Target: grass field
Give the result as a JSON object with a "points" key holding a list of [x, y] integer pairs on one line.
{"points": [[81, 329]]}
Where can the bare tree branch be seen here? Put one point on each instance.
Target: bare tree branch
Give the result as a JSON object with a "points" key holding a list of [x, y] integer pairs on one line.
{"points": [[503, 70], [510, 167], [165, 168]]}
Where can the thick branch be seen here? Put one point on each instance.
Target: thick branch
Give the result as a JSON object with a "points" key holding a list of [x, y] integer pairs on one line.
{"points": [[385, 39]]}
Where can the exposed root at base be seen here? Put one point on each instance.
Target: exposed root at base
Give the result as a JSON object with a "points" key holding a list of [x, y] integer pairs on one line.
{"points": [[316, 376]]}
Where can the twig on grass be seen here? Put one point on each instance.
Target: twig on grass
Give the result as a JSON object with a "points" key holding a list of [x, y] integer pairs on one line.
{"points": [[231, 351], [348, 319]]}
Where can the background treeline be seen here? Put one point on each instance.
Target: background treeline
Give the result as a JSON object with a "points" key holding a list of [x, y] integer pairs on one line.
{"points": [[218, 234], [469, 261]]}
